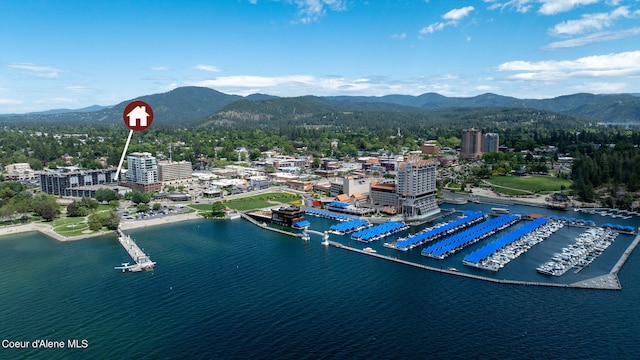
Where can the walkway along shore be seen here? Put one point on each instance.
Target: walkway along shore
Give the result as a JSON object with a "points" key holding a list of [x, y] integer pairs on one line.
{"points": [[47, 230], [605, 282]]}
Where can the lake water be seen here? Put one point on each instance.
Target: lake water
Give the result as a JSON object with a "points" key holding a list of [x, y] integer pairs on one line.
{"points": [[230, 290]]}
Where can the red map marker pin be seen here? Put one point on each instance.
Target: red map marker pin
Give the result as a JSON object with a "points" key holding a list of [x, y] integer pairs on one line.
{"points": [[137, 115]]}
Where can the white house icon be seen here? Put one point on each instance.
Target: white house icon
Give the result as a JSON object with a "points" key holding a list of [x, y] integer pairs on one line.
{"points": [[138, 116]]}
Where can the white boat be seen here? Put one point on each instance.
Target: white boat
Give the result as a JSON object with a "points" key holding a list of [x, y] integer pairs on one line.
{"points": [[499, 211], [125, 266], [369, 250]]}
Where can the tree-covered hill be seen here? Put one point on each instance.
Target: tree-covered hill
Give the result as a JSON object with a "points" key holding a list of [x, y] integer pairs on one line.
{"points": [[313, 111], [195, 106], [181, 106]]}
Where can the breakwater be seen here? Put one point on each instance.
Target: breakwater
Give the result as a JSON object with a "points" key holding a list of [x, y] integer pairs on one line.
{"points": [[605, 282]]}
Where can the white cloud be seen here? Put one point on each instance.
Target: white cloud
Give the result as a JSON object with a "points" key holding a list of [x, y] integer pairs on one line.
{"points": [[453, 16], [10, 102], [602, 87], [599, 66], [56, 101], [521, 6], [311, 10], [591, 22], [42, 71], [160, 68], [430, 29], [210, 68], [485, 88], [399, 36], [547, 7], [458, 14], [552, 7], [297, 85], [592, 38], [78, 88]]}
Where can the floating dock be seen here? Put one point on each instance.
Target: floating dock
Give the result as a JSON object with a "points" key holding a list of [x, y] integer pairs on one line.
{"points": [[458, 241], [468, 219], [140, 259]]}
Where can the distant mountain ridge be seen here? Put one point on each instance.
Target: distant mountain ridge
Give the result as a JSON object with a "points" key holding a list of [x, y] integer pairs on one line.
{"points": [[191, 106], [91, 108]]}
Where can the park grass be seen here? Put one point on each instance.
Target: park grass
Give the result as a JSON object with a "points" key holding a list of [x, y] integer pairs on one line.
{"points": [[508, 191], [103, 208], [261, 201], [521, 185], [70, 226], [254, 202]]}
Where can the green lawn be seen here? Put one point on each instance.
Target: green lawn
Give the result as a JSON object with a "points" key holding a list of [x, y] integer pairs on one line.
{"points": [[509, 191], [528, 184], [70, 226], [253, 202], [261, 201], [201, 207], [103, 207]]}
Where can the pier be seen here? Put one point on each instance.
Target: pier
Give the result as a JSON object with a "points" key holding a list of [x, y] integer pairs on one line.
{"points": [[140, 259]]}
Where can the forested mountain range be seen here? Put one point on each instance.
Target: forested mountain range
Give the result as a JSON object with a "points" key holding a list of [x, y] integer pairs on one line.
{"points": [[198, 106]]}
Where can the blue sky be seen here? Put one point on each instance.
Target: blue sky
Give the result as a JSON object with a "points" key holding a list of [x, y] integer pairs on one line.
{"points": [[73, 54]]}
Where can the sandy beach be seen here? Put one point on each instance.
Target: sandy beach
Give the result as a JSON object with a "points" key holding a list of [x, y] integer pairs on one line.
{"points": [[47, 229]]}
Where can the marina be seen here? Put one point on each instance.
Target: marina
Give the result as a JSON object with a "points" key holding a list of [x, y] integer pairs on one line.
{"points": [[440, 230], [500, 252], [326, 214], [349, 226], [613, 213], [456, 242], [499, 246], [379, 231], [587, 247]]}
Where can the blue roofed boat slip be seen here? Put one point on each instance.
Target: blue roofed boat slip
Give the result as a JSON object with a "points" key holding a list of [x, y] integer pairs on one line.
{"points": [[458, 241], [349, 226], [440, 230], [327, 214], [379, 231], [498, 253]]}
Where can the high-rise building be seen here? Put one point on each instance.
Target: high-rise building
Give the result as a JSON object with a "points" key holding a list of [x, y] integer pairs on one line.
{"points": [[491, 142], [174, 170], [416, 189], [142, 172], [471, 147]]}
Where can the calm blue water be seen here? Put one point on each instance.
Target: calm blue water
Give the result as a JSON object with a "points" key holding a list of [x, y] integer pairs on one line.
{"points": [[229, 290]]}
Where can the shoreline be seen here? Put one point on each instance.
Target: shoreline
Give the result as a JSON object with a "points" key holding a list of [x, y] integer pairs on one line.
{"points": [[47, 229]]}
